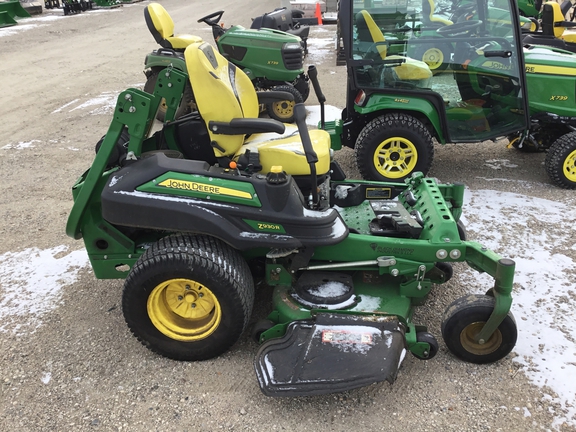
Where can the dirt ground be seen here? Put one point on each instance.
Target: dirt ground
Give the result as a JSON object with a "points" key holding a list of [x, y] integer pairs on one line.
{"points": [[81, 369]]}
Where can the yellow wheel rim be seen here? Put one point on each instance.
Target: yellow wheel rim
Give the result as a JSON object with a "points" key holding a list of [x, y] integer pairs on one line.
{"points": [[395, 157], [283, 109], [468, 340], [569, 167], [184, 310], [433, 57]]}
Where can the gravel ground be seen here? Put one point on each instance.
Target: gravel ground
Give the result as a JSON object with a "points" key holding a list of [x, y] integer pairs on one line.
{"points": [[68, 361]]}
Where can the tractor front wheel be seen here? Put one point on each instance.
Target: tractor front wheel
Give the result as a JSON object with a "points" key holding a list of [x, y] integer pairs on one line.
{"points": [[393, 146], [561, 161], [462, 322], [283, 111], [188, 297], [437, 57], [186, 103]]}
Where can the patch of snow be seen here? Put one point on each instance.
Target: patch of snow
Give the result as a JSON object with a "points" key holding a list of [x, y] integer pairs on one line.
{"points": [[31, 282], [544, 296], [21, 145]]}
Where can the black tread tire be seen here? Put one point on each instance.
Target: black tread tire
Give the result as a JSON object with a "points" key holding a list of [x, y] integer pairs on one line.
{"points": [[446, 54], [120, 149], [471, 309], [446, 268], [302, 84], [260, 327], [431, 340], [462, 232], [559, 151], [283, 111], [388, 126], [206, 260], [186, 103]]}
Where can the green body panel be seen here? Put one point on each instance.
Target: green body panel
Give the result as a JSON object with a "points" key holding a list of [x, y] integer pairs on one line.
{"points": [[259, 52], [551, 77], [162, 61], [111, 252], [380, 102]]}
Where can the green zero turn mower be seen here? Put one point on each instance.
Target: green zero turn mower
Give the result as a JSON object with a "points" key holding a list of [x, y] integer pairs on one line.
{"points": [[493, 87], [194, 215], [272, 59]]}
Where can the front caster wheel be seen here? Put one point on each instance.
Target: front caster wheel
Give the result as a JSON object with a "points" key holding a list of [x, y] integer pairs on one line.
{"points": [[188, 297], [465, 318], [561, 161], [393, 146], [431, 341]]}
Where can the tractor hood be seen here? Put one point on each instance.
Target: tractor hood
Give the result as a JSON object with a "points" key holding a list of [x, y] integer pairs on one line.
{"points": [[547, 60]]}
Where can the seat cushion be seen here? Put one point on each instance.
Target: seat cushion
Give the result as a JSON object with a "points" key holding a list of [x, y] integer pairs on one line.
{"points": [[180, 42], [286, 150]]}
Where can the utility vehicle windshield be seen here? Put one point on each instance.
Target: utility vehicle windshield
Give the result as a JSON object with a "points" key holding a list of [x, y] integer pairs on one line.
{"points": [[463, 51]]}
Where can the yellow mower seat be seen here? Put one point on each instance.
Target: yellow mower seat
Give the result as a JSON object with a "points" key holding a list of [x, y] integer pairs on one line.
{"points": [[224, 92], [161, 26]]}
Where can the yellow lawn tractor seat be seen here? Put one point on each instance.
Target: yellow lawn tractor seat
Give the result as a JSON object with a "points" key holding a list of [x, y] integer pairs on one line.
{"points": [[554, 22], [228, 104], [161, 26], [428, 17]]}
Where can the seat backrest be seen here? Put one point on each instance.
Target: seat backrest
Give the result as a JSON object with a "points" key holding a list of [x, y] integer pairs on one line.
{"points": [[428, 16], [369, 31], [222, 92], [551, 13], [159, 23]]}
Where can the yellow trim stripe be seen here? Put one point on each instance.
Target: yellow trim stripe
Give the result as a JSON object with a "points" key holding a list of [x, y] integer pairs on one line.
{"points": [[550, 70], [204, 188]]}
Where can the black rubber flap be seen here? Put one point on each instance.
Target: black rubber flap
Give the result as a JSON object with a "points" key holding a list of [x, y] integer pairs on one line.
{"points": [[333, 353]]}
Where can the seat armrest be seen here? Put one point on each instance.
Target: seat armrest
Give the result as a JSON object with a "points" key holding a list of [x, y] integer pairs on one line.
{"points": [[248, 126], [265, 97]]}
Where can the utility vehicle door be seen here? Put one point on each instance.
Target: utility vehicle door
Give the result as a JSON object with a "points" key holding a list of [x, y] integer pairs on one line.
{"points": [[459, 67]]}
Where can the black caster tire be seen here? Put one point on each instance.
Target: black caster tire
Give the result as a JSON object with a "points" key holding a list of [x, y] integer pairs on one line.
{"points": [[462, 321], [429, 339], [260, 327]]}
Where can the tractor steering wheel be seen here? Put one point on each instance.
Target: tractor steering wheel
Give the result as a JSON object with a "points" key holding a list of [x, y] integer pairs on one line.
{"points": [[213, 19], [460, 28]]}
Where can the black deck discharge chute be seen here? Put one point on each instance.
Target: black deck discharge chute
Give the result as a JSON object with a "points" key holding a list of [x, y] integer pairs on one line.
{"points": [[331, 353]]}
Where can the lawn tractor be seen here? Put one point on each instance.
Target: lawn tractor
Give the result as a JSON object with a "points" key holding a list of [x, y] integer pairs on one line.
{"points": [[219, 200], [271, 58], [396, 106]]}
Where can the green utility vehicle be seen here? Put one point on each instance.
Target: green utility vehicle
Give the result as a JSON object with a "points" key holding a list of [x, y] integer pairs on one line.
{"points": [[396, 106]]}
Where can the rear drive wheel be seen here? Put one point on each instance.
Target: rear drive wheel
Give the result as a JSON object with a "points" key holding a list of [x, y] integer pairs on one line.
{"points": [[283, 111], [393, 146], [561, 161], [188, 297], [465, 318], [186, 104]]}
